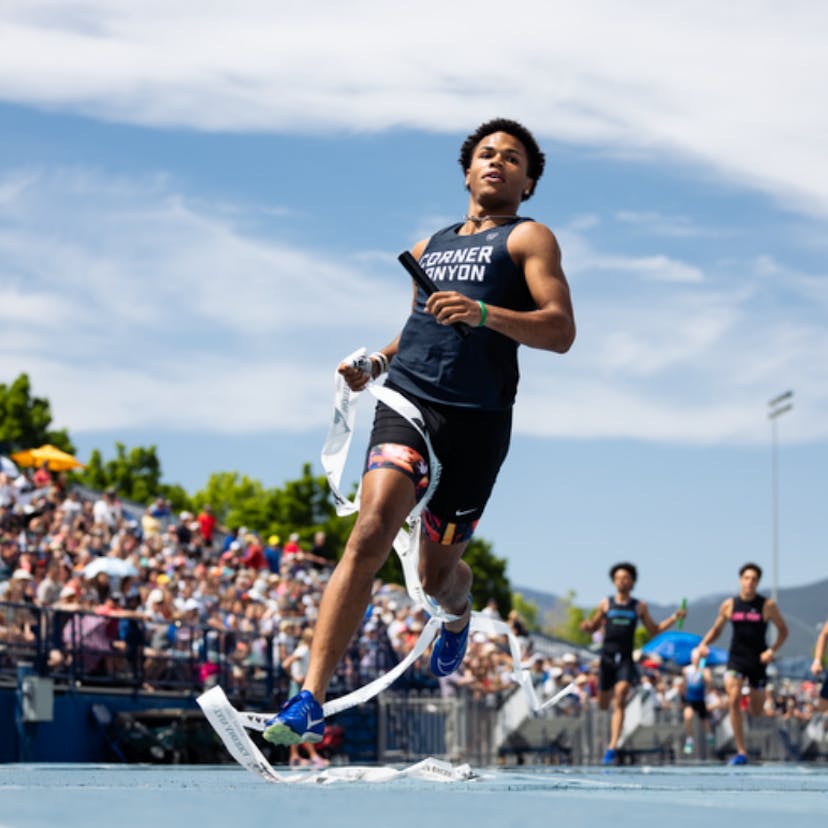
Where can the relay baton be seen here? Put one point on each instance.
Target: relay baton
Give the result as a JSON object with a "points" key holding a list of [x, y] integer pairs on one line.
{"points": [[680, 622], [421, 278]]}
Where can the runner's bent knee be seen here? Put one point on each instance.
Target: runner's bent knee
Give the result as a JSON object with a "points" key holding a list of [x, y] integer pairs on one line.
{"points": [[439, 577], [373, 535]]}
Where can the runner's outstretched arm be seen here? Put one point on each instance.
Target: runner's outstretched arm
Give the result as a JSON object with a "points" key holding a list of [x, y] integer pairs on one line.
{"points": [[596, 619], [651, 626], [819, 650], [773, 614], [718, 625]]}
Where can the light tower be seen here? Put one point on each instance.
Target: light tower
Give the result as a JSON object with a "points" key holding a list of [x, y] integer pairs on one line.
{"points": [[776, 408]]}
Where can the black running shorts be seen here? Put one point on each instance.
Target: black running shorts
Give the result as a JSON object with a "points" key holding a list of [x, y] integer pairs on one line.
{"points": [[700, 707], [471, 445], [755, 673], [615, 668]]}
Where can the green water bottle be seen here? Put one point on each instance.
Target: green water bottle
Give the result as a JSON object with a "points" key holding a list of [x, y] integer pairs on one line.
{"points": [[680, 622]]}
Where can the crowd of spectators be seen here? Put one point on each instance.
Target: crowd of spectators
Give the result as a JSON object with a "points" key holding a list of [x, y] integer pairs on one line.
{"points": [[157, 598], [151, 592]]}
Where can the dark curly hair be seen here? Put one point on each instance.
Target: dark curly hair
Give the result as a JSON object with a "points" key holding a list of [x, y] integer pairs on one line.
{"points": [[537, 160], [627, 567]]}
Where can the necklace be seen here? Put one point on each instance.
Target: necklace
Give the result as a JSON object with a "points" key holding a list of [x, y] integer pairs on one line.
{"points": [[481, 219]]}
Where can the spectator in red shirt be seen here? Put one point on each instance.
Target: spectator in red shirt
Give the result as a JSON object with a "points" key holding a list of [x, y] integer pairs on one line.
{"points": [[207, 524], [42, 478], [254, 556], [292, 546]]}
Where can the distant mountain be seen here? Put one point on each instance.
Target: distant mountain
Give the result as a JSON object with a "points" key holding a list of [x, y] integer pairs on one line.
{"points": [[544, 601], [805, 609]]}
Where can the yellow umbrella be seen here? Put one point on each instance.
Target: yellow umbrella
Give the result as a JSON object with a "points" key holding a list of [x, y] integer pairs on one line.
{"points": [[58, 460]]}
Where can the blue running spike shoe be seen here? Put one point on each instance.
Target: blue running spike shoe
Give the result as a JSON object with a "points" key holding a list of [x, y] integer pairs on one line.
{"points": [[610, 757], [738, 759], [298, 722], [449, 649]]}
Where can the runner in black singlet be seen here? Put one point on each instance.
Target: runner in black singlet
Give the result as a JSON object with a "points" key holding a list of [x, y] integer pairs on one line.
{"points": [[620, 615], [749, 613], [818, 668]]}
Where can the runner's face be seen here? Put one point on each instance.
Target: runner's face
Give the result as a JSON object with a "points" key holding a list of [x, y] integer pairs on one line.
{"points": [[623, 581], [749, 581], [497, 174]]}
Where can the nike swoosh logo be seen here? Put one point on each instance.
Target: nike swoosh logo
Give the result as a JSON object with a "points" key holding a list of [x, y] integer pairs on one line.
{"points": [[444, 665], [461, 512], [313, 722]]}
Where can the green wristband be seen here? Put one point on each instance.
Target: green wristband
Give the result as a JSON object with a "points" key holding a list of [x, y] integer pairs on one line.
{"points": [[483, 314]]}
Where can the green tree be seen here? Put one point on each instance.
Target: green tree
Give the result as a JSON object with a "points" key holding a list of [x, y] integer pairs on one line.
{"points": [[303, 505], [564, 622], [236, 500], [135, 473], [641, 637], [490, 580], [528, 611], [25, 420]]}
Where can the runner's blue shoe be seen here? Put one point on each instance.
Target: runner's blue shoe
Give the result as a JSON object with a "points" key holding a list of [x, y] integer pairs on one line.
{"points": [[610, 757], [738, 759], [298, 722], [449, 649]]}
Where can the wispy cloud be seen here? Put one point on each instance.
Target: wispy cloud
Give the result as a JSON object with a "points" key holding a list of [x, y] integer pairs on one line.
{"points": [[659, 268], [133, 307], [730, 86], [657, 224], [687, 360]]}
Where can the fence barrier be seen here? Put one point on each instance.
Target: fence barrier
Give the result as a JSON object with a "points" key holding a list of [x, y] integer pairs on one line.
{"points": [[85, 649]]}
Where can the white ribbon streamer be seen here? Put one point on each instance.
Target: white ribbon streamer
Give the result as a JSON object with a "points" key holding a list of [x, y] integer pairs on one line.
{"points": [[228, 724]]}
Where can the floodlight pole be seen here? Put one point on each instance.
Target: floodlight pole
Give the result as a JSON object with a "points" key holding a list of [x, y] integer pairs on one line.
{"points": [[776, 408]]}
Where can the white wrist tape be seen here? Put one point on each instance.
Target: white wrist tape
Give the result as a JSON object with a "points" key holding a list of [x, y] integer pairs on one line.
{"points": [[361, 361], [365, 363], [382, 359]]}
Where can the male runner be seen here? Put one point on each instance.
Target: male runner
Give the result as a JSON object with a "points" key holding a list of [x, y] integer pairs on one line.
{"points": [[749, 613], [500, 274], [818, 668], [620, 615]]}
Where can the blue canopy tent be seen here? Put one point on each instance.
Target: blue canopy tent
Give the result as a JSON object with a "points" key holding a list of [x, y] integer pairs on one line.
{"points": [[676, 646]]}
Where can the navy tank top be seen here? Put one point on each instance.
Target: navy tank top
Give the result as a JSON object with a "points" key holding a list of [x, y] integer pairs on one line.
{"points": [[749, 629], [619, 628], [433, 362]]}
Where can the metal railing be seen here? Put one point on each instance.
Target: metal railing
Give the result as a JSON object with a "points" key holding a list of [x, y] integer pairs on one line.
{"points": [[84, 648], [413, 726], [80, 648]]}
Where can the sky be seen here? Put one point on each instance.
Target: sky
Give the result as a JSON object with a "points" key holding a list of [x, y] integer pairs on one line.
{"points": [[201, 206]]}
